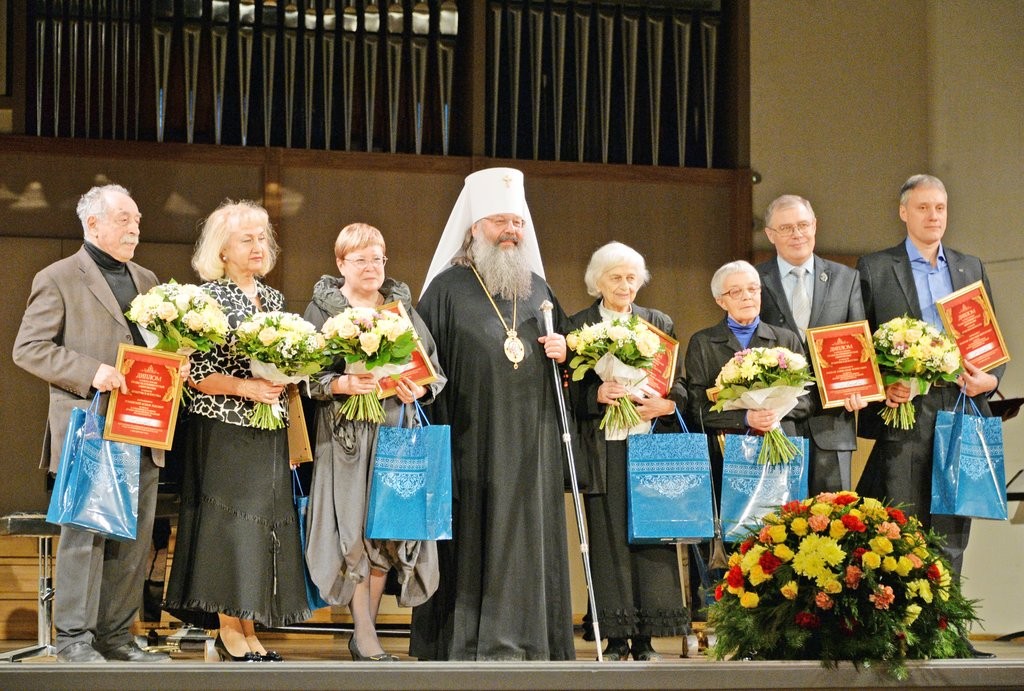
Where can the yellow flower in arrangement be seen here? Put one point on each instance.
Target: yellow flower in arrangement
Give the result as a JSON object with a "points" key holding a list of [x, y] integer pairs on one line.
{"points": [[851, 579]]}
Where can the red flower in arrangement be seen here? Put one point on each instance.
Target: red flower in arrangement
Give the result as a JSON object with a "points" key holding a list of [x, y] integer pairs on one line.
{"points": [[858, 553], [735, 577], [934, 573], [745, 546], [845, 499], [796, 506], [854, 523], [943, 623], [897, 515], [719, 591], [807, 620], [769, 562]]}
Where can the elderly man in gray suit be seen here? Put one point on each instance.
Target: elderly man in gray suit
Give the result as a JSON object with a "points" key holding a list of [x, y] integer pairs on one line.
{"points": [[908, 279], [802, 290], [69, 338]]}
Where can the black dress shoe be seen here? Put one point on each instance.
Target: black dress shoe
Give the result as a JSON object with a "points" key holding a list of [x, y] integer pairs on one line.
{"points": [[642, 651], [616, 650], [226, 656], [980, 654], [80, 653], [271, 656], [131, 652]]}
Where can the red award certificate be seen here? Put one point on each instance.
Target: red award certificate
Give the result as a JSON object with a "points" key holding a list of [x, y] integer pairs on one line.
{"points": [[663, 369], [419, 369], [844, 363], [147, 413], [971, 322]]}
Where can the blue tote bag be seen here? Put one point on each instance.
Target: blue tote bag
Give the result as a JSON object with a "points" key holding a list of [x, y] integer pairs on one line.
{"points": [[968, 474], [751, 489], [411, 483], [669, 487], [301, 502], [97, 484]]}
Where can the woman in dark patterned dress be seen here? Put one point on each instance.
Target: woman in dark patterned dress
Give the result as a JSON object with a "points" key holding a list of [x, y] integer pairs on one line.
{"points": [[636, 587], [237, 558]]}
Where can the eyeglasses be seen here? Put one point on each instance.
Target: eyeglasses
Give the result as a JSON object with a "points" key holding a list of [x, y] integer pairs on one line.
{"points": [[502, 222], [737, 293], [361, 263], [805, 228]]}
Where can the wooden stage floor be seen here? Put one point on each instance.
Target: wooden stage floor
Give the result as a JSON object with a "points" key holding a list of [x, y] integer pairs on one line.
{"points": [[319, 661]]}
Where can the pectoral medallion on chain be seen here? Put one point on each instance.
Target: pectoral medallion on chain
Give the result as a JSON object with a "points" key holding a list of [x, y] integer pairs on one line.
{"points": [[514, 349]]}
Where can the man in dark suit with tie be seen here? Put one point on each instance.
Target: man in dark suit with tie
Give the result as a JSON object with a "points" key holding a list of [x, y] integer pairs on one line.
{"points": [[907, 280], [69, 337], [802, 290]]}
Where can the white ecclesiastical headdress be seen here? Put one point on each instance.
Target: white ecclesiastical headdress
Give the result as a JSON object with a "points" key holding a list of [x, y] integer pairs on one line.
{"points": [[486, 192]]}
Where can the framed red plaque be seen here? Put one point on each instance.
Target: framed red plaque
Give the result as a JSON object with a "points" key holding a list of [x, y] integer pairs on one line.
{"points": [[147, 413], [663, 369], [971, 322], [843, 357], [419, 369]]}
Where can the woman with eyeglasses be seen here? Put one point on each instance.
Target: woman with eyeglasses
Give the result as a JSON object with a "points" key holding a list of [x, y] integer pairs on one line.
{"points": [[349, 568], [636, 587], [736, 287]]}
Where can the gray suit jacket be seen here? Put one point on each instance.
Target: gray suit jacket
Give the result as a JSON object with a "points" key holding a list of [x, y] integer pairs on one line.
{"points": [[835, 299], [71, 326], [888, 289]]}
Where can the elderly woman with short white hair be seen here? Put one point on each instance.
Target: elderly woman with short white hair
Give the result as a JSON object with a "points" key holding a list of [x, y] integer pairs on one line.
{"points": [[636, 587], [736, 287]]}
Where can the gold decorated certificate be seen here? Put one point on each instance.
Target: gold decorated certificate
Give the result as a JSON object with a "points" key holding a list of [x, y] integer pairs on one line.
{"points": [[663, 369], [419, 369], [971, 322], [843, 357], [147, 413]]}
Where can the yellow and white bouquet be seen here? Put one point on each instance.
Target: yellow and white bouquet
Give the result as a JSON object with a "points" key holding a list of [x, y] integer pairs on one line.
{"points": [[377, 342], [282, 348], [840, 577], [179, 318], [915, 352], [764, 379], [621, 351]]}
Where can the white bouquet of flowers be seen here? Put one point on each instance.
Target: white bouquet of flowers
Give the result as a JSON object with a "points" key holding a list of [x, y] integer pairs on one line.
{"points": [[179, 318], [915, 352], [621, 351], [282, 348], [764, 379], [377, 342]]}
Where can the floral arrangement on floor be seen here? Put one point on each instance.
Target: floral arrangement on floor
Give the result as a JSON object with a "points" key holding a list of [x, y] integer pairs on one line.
{"points": [[179, 318], [915, 352], [378, 342], [283, 348], [840, 577], [620, 350], [760, 379]]}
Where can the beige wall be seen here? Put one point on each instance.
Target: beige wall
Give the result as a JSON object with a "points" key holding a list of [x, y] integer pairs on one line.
{"points": [[850, 98]]}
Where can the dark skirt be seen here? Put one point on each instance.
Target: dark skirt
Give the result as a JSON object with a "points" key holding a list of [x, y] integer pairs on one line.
{"points": [[636, 587], [237, 550]]}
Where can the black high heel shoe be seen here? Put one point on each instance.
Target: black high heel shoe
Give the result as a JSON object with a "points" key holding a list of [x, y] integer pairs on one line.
{"points": [[271, 656], [226, 656], [359, 657]]}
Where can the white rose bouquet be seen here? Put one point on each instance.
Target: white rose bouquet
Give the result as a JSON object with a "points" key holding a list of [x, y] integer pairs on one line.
{"points": [[377, 342], [179, 318], [916, 352], [621, 351], [283, 348], [764, 379]]}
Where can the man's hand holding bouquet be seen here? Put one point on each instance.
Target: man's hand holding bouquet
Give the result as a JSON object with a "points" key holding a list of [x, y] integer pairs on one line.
{"points": [[917, 354]]}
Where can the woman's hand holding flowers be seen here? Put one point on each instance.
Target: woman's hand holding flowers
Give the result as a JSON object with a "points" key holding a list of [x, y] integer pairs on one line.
{"points": [[408, 391]]}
